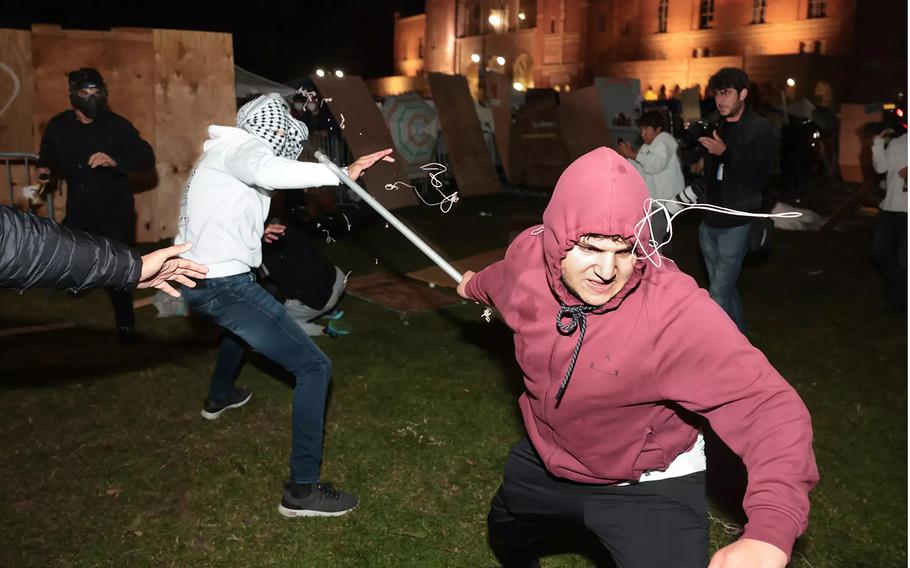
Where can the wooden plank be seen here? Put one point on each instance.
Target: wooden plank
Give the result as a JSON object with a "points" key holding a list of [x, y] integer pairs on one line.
{"points": [[366, 132], [399, 294], [537, 144], [468, 154], [124, 59], [582, 122], [16, 93], [502, 117], [194, 87], [855, 145], [435, 276], [8, 332]]}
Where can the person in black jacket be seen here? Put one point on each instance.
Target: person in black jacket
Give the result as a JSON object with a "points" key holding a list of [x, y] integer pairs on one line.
{"points": [[94, 149], [38, 253], [737, 168]]}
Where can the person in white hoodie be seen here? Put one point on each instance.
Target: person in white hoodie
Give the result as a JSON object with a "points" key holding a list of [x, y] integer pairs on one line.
{"points": [[889, 240], [223, 212], [658, 163]]}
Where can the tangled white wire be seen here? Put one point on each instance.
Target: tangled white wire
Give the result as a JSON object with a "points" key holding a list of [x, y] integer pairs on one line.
{"points": [[434, 170], [654, 207]]}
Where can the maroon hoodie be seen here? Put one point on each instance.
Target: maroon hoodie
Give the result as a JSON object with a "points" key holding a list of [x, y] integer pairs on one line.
{"points": [[659, 343]]}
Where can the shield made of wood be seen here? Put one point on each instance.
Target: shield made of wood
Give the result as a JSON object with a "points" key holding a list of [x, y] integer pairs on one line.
{"points": [[414, 126]]}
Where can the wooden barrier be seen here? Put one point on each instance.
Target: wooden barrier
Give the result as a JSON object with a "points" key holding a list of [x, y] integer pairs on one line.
{"points": [[170, 84]]}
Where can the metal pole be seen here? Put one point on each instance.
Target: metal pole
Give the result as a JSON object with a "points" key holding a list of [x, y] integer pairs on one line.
{"points": [[393, 220]]}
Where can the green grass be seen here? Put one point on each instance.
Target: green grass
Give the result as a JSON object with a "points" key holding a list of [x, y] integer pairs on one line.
{"points": [[106, 461]]}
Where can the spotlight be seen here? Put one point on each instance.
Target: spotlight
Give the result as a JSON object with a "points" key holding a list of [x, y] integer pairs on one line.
{"points": [[339, 73], [320, 73], [475, 58], [501, 60], [791, 82]]}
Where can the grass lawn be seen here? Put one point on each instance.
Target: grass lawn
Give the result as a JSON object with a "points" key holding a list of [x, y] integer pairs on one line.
{"points": [[106, 461]]}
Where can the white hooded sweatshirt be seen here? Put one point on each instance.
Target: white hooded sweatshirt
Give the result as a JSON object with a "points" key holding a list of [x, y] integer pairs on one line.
{"points": [[226, 199], [659, 165]]}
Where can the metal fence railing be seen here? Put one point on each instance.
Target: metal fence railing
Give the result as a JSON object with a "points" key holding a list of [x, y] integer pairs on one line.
{"points": [[25, 160]]}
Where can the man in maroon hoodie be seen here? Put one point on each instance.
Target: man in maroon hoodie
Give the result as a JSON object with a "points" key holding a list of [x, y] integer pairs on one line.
{"points": [[616, 450]]}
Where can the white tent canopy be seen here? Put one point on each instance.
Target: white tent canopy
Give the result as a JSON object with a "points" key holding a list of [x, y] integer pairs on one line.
{"points": [[249, 84]]}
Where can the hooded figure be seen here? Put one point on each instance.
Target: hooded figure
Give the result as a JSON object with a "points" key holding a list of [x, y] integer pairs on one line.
{"points": [[269, 118], [91, 104], [610, 388]]}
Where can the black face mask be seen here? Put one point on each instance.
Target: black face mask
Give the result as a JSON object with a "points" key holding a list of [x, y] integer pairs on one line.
{"points": [[91, 107]]}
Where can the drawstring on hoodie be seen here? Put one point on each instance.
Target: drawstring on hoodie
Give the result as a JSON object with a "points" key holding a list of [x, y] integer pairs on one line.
{"points": [[579, 319]]}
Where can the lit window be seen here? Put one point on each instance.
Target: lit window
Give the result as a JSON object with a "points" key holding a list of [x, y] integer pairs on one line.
{"points": [[758, 11], [705, 14], [817, 8], [662, 9]]}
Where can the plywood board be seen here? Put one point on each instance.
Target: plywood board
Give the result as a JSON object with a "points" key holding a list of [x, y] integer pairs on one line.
{"points": [[855, 147], [468, 154], [125, 58], [582, 122], [194, 87], [399, 294], [537, 145], [502, 119], [434, 275], [16, 93], [366, 132]]}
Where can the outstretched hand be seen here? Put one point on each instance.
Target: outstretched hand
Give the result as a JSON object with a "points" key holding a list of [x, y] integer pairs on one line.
{"points": [[162, 265], [365, 162]]}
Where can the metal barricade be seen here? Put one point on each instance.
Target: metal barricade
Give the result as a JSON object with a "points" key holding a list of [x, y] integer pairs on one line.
{"points": [[25, 160]]}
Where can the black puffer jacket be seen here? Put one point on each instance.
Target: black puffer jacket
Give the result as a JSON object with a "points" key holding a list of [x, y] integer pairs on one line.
{"points": [[38, 253]]}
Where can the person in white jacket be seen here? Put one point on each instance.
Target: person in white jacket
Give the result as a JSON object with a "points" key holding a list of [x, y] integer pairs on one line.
{"points": [[889, 240], [223, 212], [658, 163]]}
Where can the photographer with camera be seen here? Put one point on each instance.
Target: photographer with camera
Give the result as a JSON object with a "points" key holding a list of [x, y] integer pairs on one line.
{"points": [[736, 169], [889, 241]]}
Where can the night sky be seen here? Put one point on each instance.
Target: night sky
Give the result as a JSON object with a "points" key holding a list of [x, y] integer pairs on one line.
{"points": [[281, 41]]}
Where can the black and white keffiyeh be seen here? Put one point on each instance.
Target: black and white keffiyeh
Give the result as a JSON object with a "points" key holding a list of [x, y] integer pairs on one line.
{"points": [[269, 118]]}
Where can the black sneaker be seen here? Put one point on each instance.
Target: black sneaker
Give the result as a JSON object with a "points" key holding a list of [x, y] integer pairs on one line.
{"points": [[238, 398], [315, 500]]}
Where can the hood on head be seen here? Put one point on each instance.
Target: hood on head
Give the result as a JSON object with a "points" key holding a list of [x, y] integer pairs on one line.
{"points": [[599, 193], [268, 118]]}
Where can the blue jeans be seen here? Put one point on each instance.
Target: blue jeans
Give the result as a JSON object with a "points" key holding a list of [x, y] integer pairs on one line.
{"points": [[257, 321], [724, 250]]}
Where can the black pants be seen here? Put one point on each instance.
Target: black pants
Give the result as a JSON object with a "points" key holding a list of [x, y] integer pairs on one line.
{"points": [[889, 249], [657, 523], [118, 226]]}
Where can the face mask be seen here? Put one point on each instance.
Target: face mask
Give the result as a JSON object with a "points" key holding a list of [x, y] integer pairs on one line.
{"points": [[91, 107], [268, 119], [298, 106], [311, 107]]}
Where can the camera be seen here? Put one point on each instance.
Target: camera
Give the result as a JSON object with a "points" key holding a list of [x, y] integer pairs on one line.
{"points": [[691, 195], [702, 127]]}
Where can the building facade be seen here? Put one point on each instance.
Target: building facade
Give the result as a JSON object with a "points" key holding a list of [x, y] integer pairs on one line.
{"points": [[833, 50]]}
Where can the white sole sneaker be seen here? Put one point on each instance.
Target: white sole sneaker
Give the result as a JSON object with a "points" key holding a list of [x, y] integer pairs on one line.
{"points": [[213, 415], [295, 513]]}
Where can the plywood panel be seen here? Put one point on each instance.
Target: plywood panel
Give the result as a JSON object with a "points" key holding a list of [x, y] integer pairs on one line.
{"points": [[855, 147], [125, 58], [194, 87], [461, 129], [582, 122], [537, 146], [366, 132], [16, 92]]}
